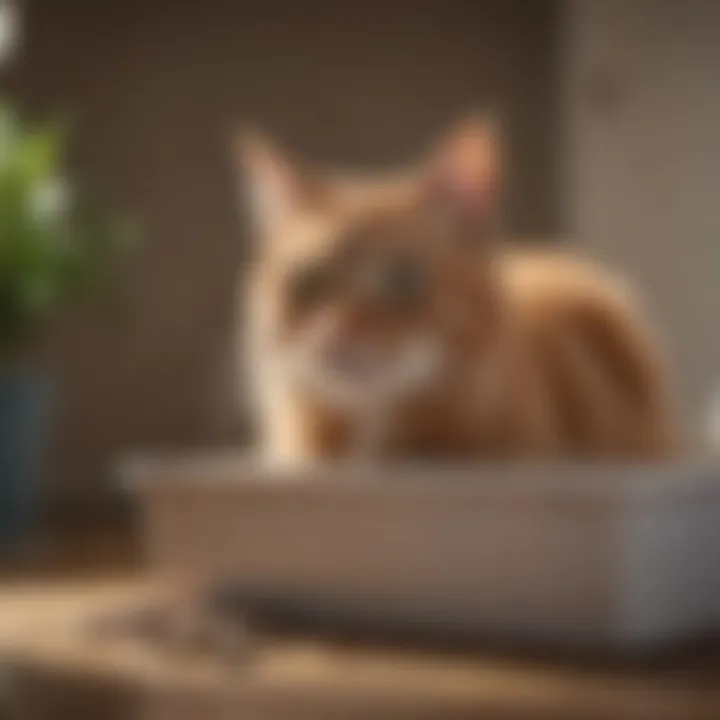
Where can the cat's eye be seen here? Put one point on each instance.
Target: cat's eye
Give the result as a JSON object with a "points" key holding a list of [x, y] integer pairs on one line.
{"points": [[404, 282], [310, 286]]}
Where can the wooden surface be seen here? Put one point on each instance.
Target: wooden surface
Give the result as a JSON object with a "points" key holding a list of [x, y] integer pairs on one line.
{"points": [[45, 627]]}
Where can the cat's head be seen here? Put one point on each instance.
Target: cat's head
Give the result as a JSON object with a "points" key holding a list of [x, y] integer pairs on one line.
{"points": [[372, 288]]}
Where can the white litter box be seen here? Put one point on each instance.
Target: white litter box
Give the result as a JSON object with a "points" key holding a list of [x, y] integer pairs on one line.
{"points": [[600, 556]]}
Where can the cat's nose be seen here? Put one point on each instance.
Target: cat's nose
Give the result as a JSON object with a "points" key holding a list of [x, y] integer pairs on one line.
{"points": [[351, 358]]}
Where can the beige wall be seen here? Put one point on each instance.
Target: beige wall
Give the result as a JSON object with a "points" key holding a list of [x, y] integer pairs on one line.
{"points": [[644, 114], [156, 87]]}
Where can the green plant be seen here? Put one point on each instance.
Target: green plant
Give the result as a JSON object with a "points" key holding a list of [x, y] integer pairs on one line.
{"points": [[56, 243]]}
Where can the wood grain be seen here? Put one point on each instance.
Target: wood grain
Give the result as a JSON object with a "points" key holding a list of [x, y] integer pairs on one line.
{"points": [[45, 627]]}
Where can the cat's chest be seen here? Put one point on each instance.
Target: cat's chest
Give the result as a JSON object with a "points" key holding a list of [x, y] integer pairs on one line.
{"points": [[436, 432]]}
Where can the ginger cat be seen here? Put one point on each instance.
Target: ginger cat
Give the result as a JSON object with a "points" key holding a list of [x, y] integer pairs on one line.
{"points": [[385, 320]]}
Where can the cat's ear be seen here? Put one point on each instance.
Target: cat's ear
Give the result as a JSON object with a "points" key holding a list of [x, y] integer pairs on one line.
{"points": [[274, 185], [461, 180]]}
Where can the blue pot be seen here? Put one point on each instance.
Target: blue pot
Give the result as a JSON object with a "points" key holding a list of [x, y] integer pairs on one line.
{"points": [[23, 405]]}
